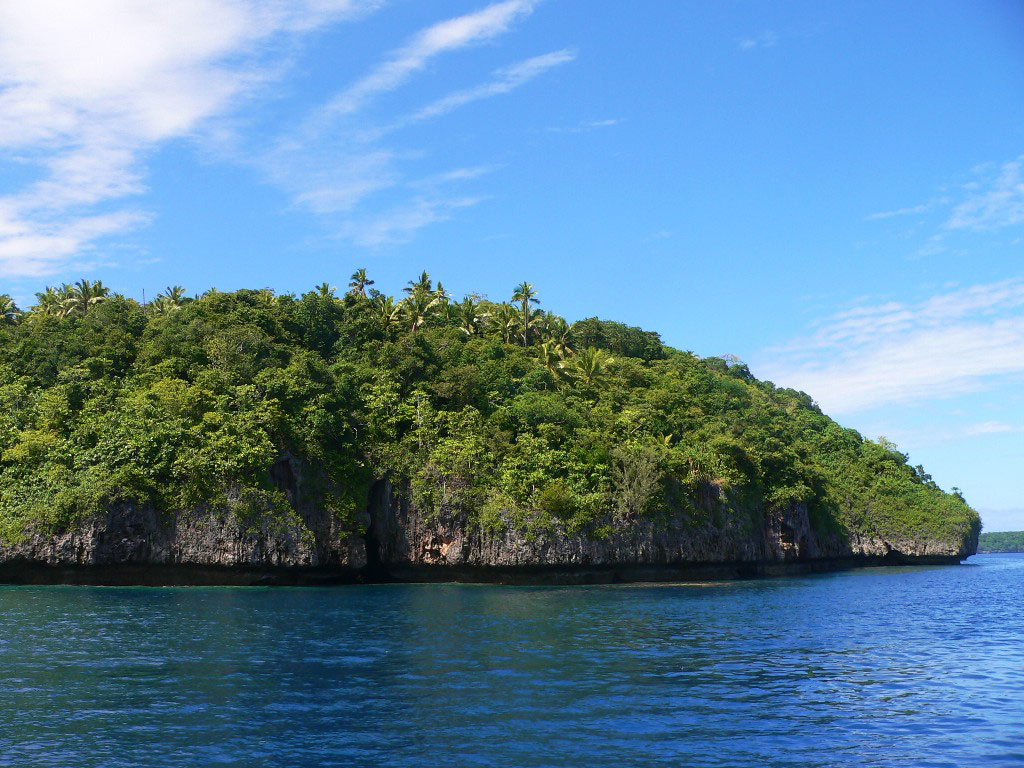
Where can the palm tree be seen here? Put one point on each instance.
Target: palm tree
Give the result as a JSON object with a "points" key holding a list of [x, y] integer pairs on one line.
{"points": [[422, 284], [9, 312], [83, 296], [162, 305], [589, 364], [555, 331], [469, 316], [553, 359], [526, 295], [326, 290], [387, 311], [266, 297], [505, 320], [52, 301], [441, 294], [359, 281], [173, 296], [417, 308]]}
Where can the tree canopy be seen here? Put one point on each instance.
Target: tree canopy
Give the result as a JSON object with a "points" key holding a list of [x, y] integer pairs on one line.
{"points": [[499, 410]]}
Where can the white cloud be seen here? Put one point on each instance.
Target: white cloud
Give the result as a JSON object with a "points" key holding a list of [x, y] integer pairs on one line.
{"points": [[765, 39], [504, 80], [87, 89], [45, 247], [909, 211], [398, 224], [993, 202], [440, 38], [337, 164], [330, 179], [991, 428], [585, 126], [454, 175], [875, 355]]}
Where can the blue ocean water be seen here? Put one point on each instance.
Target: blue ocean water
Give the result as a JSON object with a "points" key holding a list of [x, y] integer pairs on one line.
{"points": [[877, 667]]}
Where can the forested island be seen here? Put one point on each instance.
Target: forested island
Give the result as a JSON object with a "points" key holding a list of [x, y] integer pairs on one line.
{"points": [[351, 435], [1001, 541]]}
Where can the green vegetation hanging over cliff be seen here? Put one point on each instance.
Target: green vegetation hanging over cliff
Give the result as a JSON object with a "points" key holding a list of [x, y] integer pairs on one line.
{"points": [[502, 411]]}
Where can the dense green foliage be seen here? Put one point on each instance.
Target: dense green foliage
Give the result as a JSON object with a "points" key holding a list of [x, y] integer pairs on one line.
{"points": [[500, 410], [1001, 541]]}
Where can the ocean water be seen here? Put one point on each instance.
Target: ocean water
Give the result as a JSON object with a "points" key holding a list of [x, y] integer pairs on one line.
{"points": [[919, 666]]}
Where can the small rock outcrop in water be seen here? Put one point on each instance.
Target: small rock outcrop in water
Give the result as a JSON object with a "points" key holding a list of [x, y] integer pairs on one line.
{"points": [[248, 437]]}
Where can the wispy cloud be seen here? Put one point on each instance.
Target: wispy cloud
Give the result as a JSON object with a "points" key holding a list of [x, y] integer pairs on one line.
{"points": [[330, 177], [341, 163], [916, 438], [584, 126], [992, 428], [993, 202], [440, 38], [398, 224], [764, 39], [881, 354], [504, 80], [909, 211], [88, 89]]}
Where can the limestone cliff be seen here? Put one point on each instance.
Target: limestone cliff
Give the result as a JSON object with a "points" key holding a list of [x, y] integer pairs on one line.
{"points": [[138, 545]]}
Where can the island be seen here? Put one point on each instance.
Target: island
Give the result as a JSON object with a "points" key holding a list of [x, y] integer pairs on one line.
{"points": [[351, 436], [1001, 541]]}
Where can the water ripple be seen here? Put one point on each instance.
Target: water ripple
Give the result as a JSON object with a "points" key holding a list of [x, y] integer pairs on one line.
{"points": [[878, 667]]}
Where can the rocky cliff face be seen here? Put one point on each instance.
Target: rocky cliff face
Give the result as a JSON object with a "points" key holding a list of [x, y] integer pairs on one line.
{"points": [[402, 543], [403, 538]]}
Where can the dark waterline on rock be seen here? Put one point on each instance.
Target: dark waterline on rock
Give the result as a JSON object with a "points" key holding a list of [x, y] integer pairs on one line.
{"points": [[911, 666], [176, 575]]}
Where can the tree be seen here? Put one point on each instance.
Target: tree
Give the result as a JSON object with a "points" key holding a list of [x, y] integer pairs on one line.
{"points": [[589, 364], [325, 290], [526, 295], [9, 312], [417, 308], [359, 281], [555, 332], [469, 316], [505, 320], [441, 294], [387, 311], [421, 285], [266, 297], [553, 360], [171, 299], [84, 296], [53, 301]]}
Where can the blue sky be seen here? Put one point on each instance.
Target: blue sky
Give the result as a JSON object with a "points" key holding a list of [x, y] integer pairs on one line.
{"points": [[832, 192]]}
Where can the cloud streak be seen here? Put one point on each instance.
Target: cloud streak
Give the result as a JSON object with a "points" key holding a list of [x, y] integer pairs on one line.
{"points": [[892, 353], [440, 38], [504, 81], [994, 203], [765, 39], [339, 164], [991, 201]]}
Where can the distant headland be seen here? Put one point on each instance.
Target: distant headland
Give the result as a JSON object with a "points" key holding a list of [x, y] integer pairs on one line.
{"points": [[1001, 541]]}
